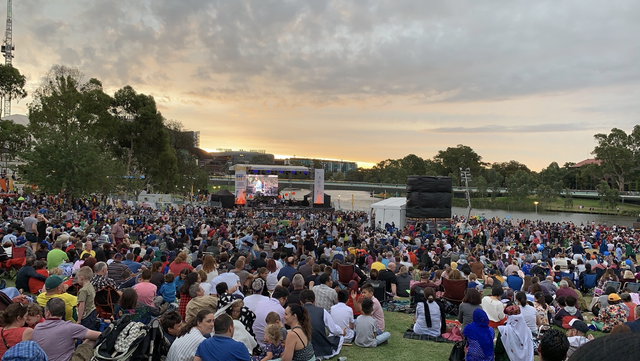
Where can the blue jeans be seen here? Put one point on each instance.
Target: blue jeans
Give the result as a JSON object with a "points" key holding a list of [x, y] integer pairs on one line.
{"points": [[90, 321], [383, 337]]}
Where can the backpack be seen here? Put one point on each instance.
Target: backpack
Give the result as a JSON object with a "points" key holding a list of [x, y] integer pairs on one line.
{"points": [[122, 340]]}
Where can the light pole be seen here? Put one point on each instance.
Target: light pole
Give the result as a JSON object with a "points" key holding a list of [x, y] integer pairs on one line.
{"points": [[536, 203]]}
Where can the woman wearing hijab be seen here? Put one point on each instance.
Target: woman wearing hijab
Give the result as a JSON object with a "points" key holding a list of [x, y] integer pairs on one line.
{"points": [[479, 337], [515, 342]]}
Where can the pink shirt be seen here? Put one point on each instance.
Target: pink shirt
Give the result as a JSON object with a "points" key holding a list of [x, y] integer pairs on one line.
{"points": [[377, 314], [146, 292]]}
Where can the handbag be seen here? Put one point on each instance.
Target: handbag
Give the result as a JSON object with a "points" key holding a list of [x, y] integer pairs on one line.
{"points": [[457, 352]]}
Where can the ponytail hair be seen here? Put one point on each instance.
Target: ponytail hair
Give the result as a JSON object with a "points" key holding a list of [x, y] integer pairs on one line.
{"points": [[303, 318], [11, 314], [194, 322], [521, 297], [429, 294]]}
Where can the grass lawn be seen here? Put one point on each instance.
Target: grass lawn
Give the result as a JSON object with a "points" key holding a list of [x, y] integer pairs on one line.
{"points": [[399, 348]]}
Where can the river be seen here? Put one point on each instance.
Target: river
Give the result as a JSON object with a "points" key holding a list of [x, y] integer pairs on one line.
{"points": [[362, 201]]}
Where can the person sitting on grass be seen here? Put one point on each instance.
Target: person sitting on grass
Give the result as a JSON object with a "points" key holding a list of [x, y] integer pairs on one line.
{"points": [[577, 335], [430, 316], [554, 346], [377, 314], [326, 336], [494, 308], [567, 312], [612, 315], [479, 337], [367, 332], [273, 344]]}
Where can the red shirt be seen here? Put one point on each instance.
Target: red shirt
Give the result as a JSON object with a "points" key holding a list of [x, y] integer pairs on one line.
{"points": [[175, 268], [35, 285], [359, 297]]}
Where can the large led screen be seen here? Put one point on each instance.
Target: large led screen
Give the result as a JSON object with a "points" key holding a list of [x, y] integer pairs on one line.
{"points": [[262, 185]]}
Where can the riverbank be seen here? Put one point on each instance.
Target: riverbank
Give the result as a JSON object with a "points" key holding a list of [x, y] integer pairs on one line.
{"points": [[579, 205]]}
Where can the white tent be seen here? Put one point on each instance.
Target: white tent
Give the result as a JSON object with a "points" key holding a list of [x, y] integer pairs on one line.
{"points": [[390, 210]]}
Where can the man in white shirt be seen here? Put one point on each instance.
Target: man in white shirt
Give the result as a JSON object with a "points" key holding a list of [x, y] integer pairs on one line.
{"points": [[342, 315], [251, 302], [231, 279], [276, 304]]}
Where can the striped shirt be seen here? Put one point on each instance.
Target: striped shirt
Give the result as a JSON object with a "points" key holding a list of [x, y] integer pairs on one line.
{"points": [[184, 348]]}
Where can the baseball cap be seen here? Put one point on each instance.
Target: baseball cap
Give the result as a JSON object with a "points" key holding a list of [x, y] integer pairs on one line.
{"points": [[613, 297], [52, 282], [579, 325]]}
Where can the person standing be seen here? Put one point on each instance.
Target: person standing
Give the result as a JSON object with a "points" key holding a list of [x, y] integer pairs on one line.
{"points": [[30, 227], [117, 232]]}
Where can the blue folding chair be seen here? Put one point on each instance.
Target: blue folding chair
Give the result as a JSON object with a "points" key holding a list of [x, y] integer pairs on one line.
{"points": [[633, 287], [588, 282]]}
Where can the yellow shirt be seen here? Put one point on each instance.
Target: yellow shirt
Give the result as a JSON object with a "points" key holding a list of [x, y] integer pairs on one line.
{"points": [[92, 253], [70, 301], [379, 266]]}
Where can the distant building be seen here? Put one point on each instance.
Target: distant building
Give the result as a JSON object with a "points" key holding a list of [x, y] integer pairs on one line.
{"points": [[334, 166], [223, 158]]}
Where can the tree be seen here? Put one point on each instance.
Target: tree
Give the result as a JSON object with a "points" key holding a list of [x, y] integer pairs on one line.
{"points": [[568, 199], [11, 83], [462, 156], [494, 182], [507, 169], [14, 138], [338, 177], [520, 185], [618, 153], [70, 125], [481, 186], [145, 140], [551, 184], [608, 196]]}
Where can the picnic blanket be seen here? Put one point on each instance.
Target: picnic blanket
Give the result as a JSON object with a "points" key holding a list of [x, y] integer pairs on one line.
{"points": [[414, 336]]}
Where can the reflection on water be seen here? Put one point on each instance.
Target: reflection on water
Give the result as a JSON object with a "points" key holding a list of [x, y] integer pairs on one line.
{"points": [[362, 201]]}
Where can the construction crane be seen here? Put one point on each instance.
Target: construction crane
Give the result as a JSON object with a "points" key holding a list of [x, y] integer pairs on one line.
{"points": [[7, 51]]}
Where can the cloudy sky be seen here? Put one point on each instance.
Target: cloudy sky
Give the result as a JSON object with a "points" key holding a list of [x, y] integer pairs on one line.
{"points": [[531, 81]]}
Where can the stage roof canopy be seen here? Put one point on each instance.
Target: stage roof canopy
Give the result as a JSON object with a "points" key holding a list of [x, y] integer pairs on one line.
{"points": [[268, 168]]}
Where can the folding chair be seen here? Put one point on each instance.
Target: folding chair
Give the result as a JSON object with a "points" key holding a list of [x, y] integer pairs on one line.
{"points": [[569, 276], [380, 291], [633, 287], [17, 260], [345, 273], [613, 284], [589, 282], [105, 301], [74, 289], [454, 290]]}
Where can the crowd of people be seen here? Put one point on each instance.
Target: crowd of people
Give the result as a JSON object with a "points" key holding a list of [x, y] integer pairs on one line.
{"points": [[299, 284]]}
